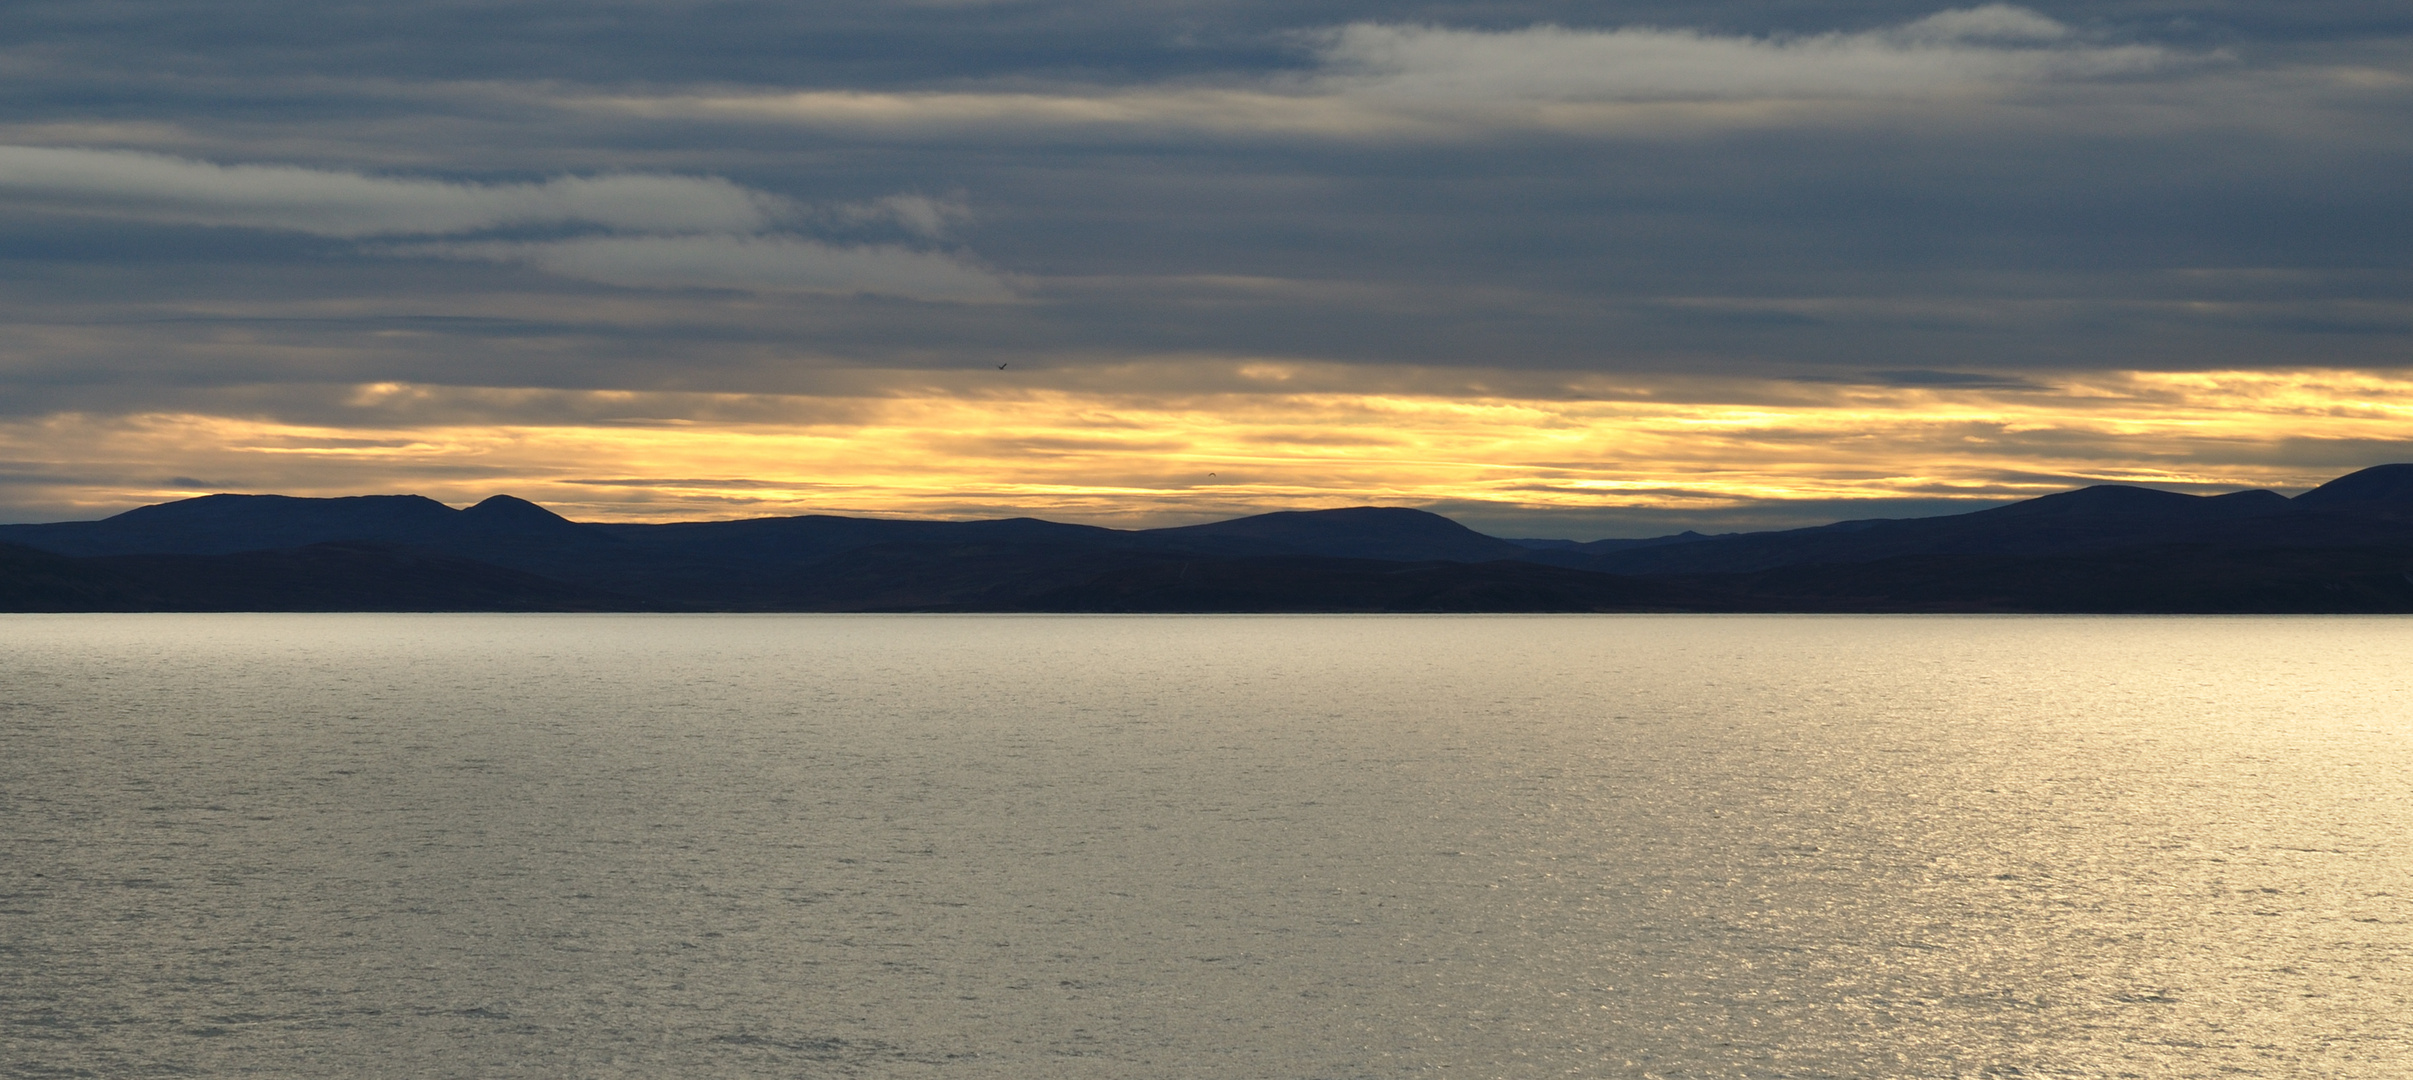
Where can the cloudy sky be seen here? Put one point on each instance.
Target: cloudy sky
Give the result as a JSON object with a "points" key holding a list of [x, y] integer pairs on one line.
{"points": [[1556, 268]]}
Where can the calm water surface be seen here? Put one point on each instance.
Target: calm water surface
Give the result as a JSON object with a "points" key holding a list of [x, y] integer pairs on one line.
{"points": [[1199, 847]]}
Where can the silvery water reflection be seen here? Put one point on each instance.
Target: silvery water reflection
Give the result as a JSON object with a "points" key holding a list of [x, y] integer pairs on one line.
{"points": [[565, 846]]}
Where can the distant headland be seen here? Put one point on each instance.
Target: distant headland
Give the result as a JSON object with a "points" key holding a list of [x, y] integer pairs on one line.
{"points": [[2344, 547]]}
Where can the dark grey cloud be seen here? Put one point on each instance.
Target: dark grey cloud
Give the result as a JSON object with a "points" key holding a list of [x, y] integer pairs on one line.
{"points": [[775, 42]]}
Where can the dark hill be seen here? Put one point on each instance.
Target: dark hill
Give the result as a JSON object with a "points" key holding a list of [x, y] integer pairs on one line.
{"points": [[2117, 504], [32, 580], [1604, 547], [785, 542], [2346, 546], [506, 514], [218, 524], [223, 524], [2072, 523], [801, 563], [2159, 579], [1295, 584], [319, 577], [2382, 489], [1358, 532]]}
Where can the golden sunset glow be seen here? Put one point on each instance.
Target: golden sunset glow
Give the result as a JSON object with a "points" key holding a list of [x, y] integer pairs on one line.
{"points": [[1125, 457], [1567, 271]]}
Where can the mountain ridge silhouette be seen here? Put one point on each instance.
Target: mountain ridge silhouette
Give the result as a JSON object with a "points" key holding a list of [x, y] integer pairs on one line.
{"points": [[2346, 545]]}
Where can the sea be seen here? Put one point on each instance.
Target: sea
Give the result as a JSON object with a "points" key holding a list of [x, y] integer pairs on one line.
{"points": [[1194, 847]]}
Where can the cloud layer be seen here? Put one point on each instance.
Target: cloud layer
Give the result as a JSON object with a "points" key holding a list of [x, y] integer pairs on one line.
{"points": [[1392, 80], [329, 202], [755, 263], [1995, 45], [1540, 257], [689, 231]]}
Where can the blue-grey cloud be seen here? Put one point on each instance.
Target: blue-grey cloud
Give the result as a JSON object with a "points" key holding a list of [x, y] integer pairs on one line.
{"points": [[662, 231], [1950, 50], [328, 202], [755, 263], [1414, 81]]}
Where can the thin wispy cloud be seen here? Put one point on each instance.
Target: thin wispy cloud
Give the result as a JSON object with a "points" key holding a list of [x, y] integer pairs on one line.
{"points": [[920, 215], [656, 231], [1990, 47], [339, 203], [1382, 80]]}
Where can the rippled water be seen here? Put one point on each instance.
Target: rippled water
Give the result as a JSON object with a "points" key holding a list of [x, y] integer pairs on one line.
{"points": [[662, 846]]}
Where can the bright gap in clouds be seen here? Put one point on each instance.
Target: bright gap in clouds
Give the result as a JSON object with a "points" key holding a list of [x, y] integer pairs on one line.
{"points": [[1654, 459]]}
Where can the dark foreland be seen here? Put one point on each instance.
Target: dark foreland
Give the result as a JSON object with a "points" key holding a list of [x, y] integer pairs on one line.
{"points": [[2344, 547]]}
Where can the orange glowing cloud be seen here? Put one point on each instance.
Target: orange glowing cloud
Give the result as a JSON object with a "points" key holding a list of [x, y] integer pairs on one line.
{"points": [[1122, 456]]}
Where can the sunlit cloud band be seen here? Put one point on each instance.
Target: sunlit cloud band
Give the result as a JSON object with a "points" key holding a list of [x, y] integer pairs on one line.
{"points": [[1647, 453]]}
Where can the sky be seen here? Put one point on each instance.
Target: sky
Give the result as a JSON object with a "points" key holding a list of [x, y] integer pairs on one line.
{"points": [[1557, 269]]}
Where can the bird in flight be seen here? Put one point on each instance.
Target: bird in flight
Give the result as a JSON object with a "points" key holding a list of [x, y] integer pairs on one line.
{"points": [[1001, 367]]}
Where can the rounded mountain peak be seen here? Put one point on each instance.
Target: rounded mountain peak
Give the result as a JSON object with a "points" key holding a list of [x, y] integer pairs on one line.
{"points": [[2377, 484], [511, 506], [509, 513]]}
